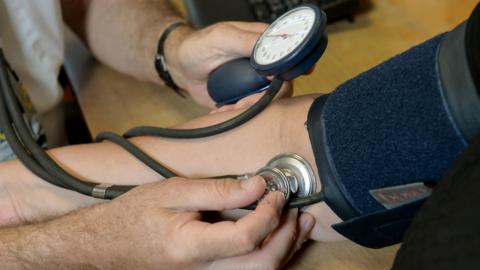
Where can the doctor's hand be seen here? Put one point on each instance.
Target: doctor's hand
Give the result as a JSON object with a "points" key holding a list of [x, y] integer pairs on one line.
{"points": [[159, 226], [191, 55]]}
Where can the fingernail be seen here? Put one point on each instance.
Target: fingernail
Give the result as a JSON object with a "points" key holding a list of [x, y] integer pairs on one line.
{"points": [[307, 222]]}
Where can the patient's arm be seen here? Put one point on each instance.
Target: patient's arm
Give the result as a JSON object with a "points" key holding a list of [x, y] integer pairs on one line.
{"points": [[281, 128]]}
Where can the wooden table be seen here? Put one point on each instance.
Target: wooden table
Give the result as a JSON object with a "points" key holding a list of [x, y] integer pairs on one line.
{"points": [[114, 102]]}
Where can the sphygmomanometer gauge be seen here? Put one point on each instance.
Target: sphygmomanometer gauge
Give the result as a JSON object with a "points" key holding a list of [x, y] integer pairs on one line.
{"points": [[288, 48], [291, 45]]}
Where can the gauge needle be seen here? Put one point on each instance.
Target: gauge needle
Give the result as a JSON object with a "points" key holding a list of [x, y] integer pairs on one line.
{"points": [[284, 36]]}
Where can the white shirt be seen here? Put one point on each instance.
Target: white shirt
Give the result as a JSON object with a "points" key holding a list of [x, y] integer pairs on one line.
{"points": [[31, 36], [32, 39]]}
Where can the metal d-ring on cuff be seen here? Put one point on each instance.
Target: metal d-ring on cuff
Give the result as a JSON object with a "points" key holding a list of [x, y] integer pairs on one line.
{"points": [[100, 190]]}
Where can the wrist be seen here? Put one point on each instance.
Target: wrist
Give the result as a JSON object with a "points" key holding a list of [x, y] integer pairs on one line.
{"points": [[148, 40], [172, 55], [11, 245], [33, 247]]}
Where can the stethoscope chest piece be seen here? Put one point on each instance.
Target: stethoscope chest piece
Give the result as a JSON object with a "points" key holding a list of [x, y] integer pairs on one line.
{"points": [[290, 174]]}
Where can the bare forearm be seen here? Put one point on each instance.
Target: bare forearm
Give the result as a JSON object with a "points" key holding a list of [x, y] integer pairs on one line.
{"points": [[121, 33], [279, 129], [64, 243]]}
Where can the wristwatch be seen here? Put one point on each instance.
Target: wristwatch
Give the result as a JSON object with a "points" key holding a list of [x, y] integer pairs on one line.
{"points": [[160, 62]]}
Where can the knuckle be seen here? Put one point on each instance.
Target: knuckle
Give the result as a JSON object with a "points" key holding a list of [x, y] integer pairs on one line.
{"points": [[274, 221], [221, 189], [170, 182], [171, 191], [272, 217], [171, 185], [219, 30], [247, 243]]}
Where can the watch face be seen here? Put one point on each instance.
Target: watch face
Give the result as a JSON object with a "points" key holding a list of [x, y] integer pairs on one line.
{"points": [[284, 36]]}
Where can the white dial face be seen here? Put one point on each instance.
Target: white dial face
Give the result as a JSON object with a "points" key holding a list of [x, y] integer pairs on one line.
{"points": [[284, 36]]}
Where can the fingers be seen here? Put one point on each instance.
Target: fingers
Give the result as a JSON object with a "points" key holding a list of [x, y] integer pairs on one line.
{"points": [[241, 43], [241, 104], [239, 38], [285, 241], [251, 26], [244, 103], [306, 222], [227, 239], [278, 249], [325, 218], [286, 90], [272, 253], [212, 195]]}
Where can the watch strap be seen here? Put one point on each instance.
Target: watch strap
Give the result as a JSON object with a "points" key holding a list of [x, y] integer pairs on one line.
{"points": [[160, 61]]}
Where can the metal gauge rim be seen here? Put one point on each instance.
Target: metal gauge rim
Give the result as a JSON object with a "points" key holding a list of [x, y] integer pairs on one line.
{"points": [[300, 52], [300, 167]]}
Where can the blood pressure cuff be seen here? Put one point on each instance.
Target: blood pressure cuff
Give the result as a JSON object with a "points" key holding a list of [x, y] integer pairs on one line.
{"points": [[445, 234], [384, 139]]}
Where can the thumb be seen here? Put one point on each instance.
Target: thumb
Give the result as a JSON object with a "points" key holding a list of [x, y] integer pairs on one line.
{"points": [[213, 194]]}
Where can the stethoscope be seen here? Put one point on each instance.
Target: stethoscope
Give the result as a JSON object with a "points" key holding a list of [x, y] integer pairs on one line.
{"points": [[288, 48]]}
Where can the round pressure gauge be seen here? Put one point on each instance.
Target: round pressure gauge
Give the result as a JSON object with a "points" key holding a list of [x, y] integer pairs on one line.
{"points": [[289, 47], [292, 44]]}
